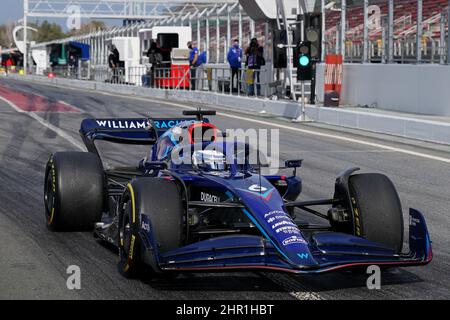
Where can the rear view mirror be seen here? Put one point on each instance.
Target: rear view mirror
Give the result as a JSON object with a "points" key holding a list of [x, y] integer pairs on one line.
{"points": [[293, 163]]}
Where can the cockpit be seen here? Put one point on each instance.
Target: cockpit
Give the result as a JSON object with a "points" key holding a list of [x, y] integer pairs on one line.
{"points": [[184, 134]]}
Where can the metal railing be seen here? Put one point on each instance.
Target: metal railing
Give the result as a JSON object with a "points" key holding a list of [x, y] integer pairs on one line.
{"points": [[224, 80], [82, 71], [206, 78], [404, 51]]}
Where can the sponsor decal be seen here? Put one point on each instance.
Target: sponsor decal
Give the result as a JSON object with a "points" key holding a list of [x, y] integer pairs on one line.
{"points": [[283, 223], [145, 226], [257, 188], [270, 220], [303, 255], [276, 216], [273, 213], [168, 124], [293, 240], [136, 124], [123, 124], [259, 191], [413, 221], [206, 197], [288, 230]]}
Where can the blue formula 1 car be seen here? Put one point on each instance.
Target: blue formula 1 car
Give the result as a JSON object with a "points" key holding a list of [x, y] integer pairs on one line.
{"points": [[218, 211]]}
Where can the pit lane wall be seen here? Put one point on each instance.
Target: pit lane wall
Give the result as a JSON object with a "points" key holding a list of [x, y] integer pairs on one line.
{"points": [[418, 89], [425, 130]]}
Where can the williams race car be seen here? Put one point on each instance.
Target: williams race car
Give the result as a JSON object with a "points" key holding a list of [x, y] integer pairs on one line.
{"points": [[218, 211]]}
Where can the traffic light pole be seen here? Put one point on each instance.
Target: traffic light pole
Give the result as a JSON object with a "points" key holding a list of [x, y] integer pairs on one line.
{"points": [[303, 117], [313, 84], [281, 11]]}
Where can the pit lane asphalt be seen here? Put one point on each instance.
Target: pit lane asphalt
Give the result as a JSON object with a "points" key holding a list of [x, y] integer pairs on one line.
{"points": [[33, 261]]}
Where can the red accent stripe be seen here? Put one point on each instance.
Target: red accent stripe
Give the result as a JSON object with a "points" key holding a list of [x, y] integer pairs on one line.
{"points": [[201, 125], [401, 263], [268, 196], [29, 102]]}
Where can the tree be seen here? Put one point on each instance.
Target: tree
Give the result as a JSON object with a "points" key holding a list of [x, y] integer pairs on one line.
{"points": [[46, 32], [88, 27], [49, 31], [6, 35]]}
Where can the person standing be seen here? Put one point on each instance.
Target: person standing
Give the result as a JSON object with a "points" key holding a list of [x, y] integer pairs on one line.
{"points": [[155, 58], [9, 63], [113, 61], [234, 58], [193, 62], [255, 59]]}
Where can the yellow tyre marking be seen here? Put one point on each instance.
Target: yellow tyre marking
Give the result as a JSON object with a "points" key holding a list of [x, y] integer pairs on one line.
{"points": [[133, 238], [131, 253], [51, 216]]}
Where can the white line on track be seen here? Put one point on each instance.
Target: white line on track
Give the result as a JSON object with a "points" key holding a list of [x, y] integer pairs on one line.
{"points": [[12, 105], [46, 124]]}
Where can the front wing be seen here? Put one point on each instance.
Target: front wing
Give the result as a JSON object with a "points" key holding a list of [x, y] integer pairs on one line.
{"points": [[330, 251]]}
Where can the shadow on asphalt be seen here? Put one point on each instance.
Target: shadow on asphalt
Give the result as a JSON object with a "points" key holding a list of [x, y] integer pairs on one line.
{"points": [[251, 281], [242, 281], [354, 280]]}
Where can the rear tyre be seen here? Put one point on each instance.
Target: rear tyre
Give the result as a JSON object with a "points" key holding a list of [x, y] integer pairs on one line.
{"points": [[73, 191], [160, 201], [377, 209]]}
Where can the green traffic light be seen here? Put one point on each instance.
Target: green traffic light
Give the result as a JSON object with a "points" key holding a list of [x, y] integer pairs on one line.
{"points": [[304, 61]]}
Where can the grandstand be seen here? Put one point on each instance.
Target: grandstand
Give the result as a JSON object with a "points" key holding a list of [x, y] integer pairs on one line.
{"points": [[405, 29], [405, 17]]}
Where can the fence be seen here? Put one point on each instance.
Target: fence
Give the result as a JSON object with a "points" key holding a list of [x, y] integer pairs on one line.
{"points": [[210, 78], [404, 51], [82, 71]]}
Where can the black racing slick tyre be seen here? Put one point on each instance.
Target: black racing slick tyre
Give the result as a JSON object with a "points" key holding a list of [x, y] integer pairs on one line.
{"points": [[160, 201], [377, 210], [74, 191]]}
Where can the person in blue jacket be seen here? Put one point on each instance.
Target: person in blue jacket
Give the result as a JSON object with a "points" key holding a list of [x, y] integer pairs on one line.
{"points": [[234, 58], [194, 62]]}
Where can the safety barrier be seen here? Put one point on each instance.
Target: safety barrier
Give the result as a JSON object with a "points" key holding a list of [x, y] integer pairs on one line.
{"points": [[206, 78]]}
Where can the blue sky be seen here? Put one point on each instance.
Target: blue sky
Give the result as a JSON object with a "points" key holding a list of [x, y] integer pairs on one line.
{"points": [[12, 10]]}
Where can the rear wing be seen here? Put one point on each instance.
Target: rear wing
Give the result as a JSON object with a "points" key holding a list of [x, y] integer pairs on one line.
{"points": [[138, 131]]}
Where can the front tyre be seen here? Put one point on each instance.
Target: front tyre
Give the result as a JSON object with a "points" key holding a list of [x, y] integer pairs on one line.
{"points": [[73, 191], [377, 211], [160, 202]]}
